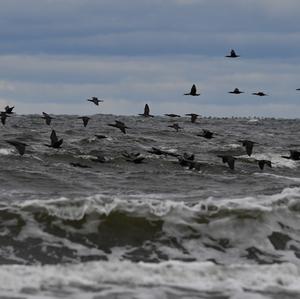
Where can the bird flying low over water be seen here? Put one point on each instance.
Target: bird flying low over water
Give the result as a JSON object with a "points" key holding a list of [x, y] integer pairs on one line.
{"points": [[47, 118], [8, 110], [95, 100], [262, 163], [236, 91], [146, 111], [193, 91], [193, 116], [85, 120], [294, 155], [175, 126], [232, 54], [248, 145], [228, 159], [55, 143], [120, 125], [206, 134], [3, 116], [260, 94], [172, 115], [20, 146]]}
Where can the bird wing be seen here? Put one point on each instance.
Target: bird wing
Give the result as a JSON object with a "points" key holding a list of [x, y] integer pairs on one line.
{"points": [[249, 147], [53, 137], [194, 89], [20, 146], [146, 110]]}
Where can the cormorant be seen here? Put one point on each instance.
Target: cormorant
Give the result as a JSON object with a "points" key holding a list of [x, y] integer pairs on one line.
{"points": [[232, 54], [120, 125], [20, 146], [193, 91]]}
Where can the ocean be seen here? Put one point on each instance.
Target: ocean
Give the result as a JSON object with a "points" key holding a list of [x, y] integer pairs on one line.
{"points": [[84, 221]]}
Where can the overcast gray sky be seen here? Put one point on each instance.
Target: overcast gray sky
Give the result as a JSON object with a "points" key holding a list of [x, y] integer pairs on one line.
{"points": [[55, 54]]}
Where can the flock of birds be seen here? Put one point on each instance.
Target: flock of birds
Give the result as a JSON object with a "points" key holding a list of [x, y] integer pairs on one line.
{"points": [[186, 159]]}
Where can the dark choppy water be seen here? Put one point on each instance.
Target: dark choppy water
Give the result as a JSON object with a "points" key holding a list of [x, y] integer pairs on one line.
{"points": [[149, 230]]}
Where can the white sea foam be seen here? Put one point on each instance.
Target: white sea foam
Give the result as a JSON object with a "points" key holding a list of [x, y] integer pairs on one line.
{"points": [[6, 151], [276, 159], [126, 277], [157, 205]]}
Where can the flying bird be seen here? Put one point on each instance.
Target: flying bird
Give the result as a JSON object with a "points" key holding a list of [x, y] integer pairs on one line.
{"points": [[193, 116], [8, 110], [3, 116], [20, 146], [95, 100], [99, 136], [260, 94], [193, 91], [146, 111], [85, 120], [55, 142], [120, 125], [175, 126], [236, 91], [294, 155], [206, 134], [232, 54], [262, 163], [47, 118], [228, 159], [172, 115], [248, 145]]}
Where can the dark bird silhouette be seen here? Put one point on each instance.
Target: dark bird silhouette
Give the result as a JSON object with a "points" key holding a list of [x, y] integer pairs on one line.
{"points": [[193, 91], [189, 161], [3, 116], [260, 94], [100, 136], [133, 157], [120, 125], [232, 54], [95, 100], [47, 118], [9, 110], [236, 91], [248, 145], [229, 160], [85, 120], [193, 116], [20, 146], [294, 155], [206, 134], [172, 115], [146, 111], [55, 143], [75, 164], [262, 163], [175, 126], [298, 89]]}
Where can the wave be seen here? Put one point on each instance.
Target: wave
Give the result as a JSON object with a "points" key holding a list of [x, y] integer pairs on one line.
{"points": [[114, 278], [259, 229]]}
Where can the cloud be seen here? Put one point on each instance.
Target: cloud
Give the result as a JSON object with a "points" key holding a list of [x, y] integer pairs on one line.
{"points": [[57, 53], [63, 83]]}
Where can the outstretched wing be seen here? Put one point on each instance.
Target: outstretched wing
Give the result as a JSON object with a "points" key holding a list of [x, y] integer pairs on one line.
{"points": [[146, 110], [194, 89], [53, 137]]}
